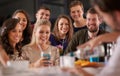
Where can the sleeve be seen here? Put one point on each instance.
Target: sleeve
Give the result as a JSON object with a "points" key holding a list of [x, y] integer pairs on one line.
{"points": [[56, 57], [73, 43], [25, 53], [52, 40], [113, 66]]}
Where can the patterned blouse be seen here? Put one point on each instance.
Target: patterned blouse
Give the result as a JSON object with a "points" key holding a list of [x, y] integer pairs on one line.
{"points": [[33, 55]]}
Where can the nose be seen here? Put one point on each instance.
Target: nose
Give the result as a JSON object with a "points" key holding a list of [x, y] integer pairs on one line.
{"points": [[91, 21], [76, 13], [44, 34], [44, 16], [21, 22]]}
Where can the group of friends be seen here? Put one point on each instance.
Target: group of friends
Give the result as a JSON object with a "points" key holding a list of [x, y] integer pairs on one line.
{"points": [[19, 40]]}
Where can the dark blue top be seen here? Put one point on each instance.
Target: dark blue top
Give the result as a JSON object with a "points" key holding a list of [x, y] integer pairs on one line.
{"points": [[79, 28], [55, 42]]}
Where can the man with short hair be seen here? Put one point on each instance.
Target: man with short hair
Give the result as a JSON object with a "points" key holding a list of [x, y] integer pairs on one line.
{"points": [[43, 13], [110, 11], [84, 35], [76, 13]]}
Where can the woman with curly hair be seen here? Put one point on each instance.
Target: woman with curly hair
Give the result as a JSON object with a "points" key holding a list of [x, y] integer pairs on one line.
{"points": [[11, 35], [25, 23]]}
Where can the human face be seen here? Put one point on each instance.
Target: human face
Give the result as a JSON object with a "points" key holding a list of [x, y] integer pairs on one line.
{"points": [[109, 19], [92, 22], [43, 14], [42, 34], [23, 19], [76, 12], [63, 26], [15, 34]]}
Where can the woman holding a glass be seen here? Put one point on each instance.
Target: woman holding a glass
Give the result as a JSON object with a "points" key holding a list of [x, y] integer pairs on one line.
{"points": [[39, 52]]}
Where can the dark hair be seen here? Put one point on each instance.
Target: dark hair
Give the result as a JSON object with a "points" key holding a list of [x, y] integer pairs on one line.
{"points": [[7, 26], [107, 5], [55, 29], [27, 31], [92, 11], [76, 2], [44, 7]]}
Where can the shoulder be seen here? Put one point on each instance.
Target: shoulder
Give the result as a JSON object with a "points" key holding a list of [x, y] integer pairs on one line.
{"points": [[26, 48], [53, 47], [52, 35], [81, 32], [102, 31], [53, 39]]}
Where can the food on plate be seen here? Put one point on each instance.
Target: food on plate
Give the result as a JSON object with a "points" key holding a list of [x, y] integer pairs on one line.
{"points": [[85, 63]]}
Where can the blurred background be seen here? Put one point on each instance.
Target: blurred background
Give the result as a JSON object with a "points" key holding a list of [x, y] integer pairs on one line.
{"points": [[7, 7]]}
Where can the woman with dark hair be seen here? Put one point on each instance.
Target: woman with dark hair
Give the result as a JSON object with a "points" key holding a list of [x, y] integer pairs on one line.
{"points": [[11, 35], [62, 32], [25, 23]]}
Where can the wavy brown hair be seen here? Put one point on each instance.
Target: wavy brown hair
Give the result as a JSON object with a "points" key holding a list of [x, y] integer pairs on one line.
{"points": [[7, 26], [27, 31], [55, 29]]}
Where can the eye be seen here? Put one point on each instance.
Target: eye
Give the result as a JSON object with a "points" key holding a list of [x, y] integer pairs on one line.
{"points": [[66, 23], [13, 30], [47, 15], [94, 19], [42, 13], [73, 11], [24, 20], [47, 32], [61, 23], [78, 11], [41, 32], [20, 31]]}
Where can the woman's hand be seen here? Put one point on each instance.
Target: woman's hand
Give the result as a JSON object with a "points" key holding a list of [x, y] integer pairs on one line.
{"points": [[43, 62]]}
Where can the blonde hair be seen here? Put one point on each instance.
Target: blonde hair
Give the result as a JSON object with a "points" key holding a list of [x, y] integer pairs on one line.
{"points": [[39, 23]]}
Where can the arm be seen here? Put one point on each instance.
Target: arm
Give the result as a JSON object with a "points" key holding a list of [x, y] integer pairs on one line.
{"points": [[73, 43], [3, 56], [109, 37]]}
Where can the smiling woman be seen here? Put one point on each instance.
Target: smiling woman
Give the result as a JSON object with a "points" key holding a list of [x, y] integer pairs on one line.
{"points": [[11, 35], [62, 32], [25, 23], [39, 44]]}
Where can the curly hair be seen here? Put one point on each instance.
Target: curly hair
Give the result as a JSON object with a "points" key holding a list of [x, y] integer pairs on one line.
{"points": [[7, 26], [27, 31]]}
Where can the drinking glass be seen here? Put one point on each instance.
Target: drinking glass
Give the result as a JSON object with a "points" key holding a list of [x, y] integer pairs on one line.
{"points": [[47, 58]]}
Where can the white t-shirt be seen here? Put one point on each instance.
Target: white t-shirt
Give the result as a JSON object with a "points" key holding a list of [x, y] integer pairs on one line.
{"points": [[113, 66]]}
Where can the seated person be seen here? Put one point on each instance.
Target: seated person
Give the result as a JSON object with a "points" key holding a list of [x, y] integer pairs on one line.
{"points": [[39, 44], [112, 17], [76, 12], [25, 23], [85, 35], [62, 33], [10, 46]]}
